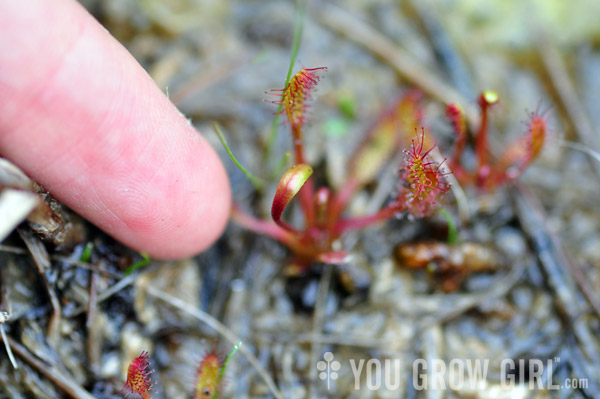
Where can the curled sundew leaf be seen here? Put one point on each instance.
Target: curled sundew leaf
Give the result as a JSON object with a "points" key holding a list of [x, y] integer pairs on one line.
{"points": [[392, 131], [289, 185]]}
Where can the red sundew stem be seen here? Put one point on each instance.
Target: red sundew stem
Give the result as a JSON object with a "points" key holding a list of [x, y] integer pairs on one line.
{"points": [[298, 143], [486, 99], [269, 229], [287, 227], [263, 227], [361, 222], [322, 197], [307, 192], [481, 140], [505, 176], [340, 200], [456, 115]]}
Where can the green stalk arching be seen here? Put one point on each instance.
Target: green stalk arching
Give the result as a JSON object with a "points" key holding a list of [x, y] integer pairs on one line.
{"points": [[224, 366], [255, 180]]}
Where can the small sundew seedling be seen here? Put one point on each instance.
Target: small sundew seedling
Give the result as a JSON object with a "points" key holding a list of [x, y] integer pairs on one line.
{"points": [[208, 380], [138, 378]]}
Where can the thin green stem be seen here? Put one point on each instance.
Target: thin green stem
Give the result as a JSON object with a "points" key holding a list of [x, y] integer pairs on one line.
{"points": [[452, 231], [256, 181], [228, 358], [224, 366], [138, 265]]}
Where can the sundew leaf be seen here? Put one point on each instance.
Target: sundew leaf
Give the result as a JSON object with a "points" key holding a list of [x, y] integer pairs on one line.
{"points": [[289, 185], [298, 29]]}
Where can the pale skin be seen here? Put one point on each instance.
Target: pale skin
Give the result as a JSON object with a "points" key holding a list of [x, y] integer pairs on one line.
{"points": [[80, 116]]}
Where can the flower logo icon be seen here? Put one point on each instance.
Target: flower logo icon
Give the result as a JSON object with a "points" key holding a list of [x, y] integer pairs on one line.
{"points": [[328, 368]]}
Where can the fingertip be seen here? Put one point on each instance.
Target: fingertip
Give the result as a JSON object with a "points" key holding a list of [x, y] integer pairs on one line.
{"points": [[184, 216], [91, 126]]}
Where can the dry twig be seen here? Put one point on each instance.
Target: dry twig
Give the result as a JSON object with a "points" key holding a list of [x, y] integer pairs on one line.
{"points": [[58, 378], [41, 259], [554, 262]]}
